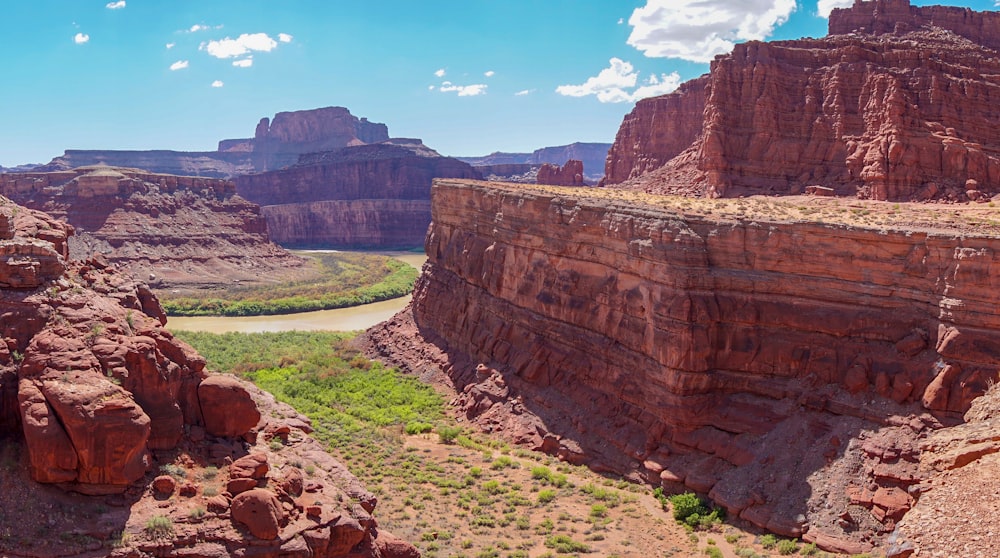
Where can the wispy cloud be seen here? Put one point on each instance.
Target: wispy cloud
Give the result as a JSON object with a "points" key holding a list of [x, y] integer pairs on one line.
{"points": [[217, 83], [462, 90], [171, 45], [179, 65], [524, 92], [244, 63], [439, 73], [698, 30], [285, 37], [198, 27], [244, 44], [826, 6], [81, 38], [613, 84], [489, 73], [115, 5]]}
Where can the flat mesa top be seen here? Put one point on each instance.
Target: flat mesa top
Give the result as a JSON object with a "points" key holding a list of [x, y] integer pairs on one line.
{"points": [[962, 219]]}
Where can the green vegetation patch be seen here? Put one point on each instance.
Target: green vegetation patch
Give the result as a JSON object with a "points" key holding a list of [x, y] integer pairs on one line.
{"points": [[346, 279], [347, 396]]}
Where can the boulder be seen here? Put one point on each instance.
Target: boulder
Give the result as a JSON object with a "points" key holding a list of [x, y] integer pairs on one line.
{"points": [[226, 406], [259, 511]]}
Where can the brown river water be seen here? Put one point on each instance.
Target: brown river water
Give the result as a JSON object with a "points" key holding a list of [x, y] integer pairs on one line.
{"points": [[340, 319]]}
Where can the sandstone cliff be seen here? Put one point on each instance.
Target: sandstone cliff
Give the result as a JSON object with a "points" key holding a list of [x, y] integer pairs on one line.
{"points": [[370, 196], [897, 103], [276, 143], [171, 229], [570, 174], [98, 395], [709, 345]]}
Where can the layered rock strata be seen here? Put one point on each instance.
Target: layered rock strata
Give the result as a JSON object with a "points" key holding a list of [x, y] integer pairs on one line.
{"points": [[370, 196], [593, 156], [570, 174], [897, 103], [707, 348], [171, 229], [99, 394]]}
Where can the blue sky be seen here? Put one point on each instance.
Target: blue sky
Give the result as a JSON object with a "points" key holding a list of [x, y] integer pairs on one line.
{"points": [[469, 77]]}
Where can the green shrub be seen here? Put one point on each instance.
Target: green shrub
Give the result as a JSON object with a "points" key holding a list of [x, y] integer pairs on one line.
{"points": [[448, 434], [713, 552], [768, 541], [563, 544], [808, 550], [787, 547], [159, 527], [687, 504], [546, 496], [418, 428]]}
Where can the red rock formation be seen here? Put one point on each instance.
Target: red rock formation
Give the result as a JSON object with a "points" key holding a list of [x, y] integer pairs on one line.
{"points": [[895, 104], [171, 229], [707, 351], [96, 392], [275, 144], [593, 156], [372, 196], [570, 174]]}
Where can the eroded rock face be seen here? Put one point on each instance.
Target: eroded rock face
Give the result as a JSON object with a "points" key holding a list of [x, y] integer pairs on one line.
{"points": [[895, 104], [570, 174], [99, 395], [370, 196], [707, 352], [173, 229]]}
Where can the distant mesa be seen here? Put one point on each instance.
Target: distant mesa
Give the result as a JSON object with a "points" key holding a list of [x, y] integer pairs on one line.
{"points": [[362, 196], [897, 103], [523, 167], [276, 143], [570, 174]]}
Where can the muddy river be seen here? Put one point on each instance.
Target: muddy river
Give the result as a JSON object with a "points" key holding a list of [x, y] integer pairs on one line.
{"points": [[340, 319]]}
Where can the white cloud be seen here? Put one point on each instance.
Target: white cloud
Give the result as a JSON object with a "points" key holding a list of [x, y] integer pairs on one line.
{"points": [[463, 90], [284, 37], [244, 44], [524, 92], [217, 83], [827, 6], [171, 45], [81, 38], [489, 73], [697, 30], [439, 73], [196, 27], [115, 5], [621, 20], [245, 63], [613, 83], [179, 65]]}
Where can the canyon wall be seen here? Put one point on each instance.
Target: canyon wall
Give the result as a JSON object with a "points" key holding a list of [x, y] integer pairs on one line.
{"points": [[887, 107], [707, 349], [369, 196], [170, 229], [592, 155]]}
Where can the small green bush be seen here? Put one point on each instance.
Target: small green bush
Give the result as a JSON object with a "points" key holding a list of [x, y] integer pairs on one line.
{"points": [[562, 544], [448, 434], [418, 428], [768, 541], [546, 496], [787, 547], [159, 527], [713, 552]]}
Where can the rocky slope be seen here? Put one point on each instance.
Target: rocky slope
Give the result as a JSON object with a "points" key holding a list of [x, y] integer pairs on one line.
{"points": [[95, 394], [708, 346], [370, 196], [172, 230], [897, 103], [276, 143]]}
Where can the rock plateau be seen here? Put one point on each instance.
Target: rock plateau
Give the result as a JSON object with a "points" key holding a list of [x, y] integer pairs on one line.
{"points": [[593, 156], [709, 348], [897, 103], [94, 394]]}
